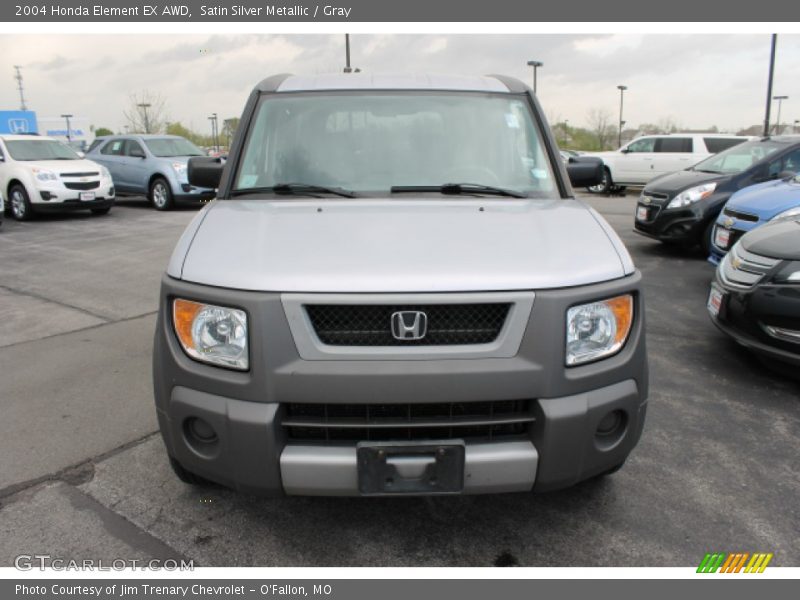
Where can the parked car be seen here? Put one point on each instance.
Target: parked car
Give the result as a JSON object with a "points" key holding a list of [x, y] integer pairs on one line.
{"points": [[752, 207], [755, 296], [354, 314], [681, 208], [150, 165], [650, 156], [39, 174], [2, 207]]}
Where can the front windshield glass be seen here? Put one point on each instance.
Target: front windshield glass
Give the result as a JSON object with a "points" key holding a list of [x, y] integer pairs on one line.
{"points": [[172, 147], [740, 157], [373, 142], [34, 149]]}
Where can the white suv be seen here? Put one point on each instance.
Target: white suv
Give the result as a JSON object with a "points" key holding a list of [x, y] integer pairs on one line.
{"points": [[647, 157], [41, 173]]}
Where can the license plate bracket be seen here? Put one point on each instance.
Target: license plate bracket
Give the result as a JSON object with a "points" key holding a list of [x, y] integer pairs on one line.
{"points": [[87, 196], [392, 468], [716, 301], [722, 237], [641, 213]]}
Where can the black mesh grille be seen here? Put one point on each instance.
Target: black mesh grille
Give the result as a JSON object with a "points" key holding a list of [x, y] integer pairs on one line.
{"points": [[82, 185], [398, 422], [371, 325]]}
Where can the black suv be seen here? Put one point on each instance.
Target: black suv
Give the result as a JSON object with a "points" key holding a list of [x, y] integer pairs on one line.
{"points": [[681, 207]]}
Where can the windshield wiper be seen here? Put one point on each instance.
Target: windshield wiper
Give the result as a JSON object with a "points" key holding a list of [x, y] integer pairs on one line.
{"points": [[296, 189], [457, 189], [707, 171]]}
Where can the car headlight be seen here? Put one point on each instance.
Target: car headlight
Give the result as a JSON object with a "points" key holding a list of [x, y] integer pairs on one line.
{"points": [[45, 175], [212, 334], [598, 329], [180, 170], [692, 195], [787, 214]]}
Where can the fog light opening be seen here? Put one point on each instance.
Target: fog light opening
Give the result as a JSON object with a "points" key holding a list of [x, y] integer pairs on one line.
{"points": [[201, 437], [611, 428]]}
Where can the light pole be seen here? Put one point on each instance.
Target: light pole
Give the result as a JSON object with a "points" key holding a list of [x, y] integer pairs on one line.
{"points": [[69, 132], [794, 125], [144, 106], [621, 89], [780, 99], [769, 83], [535, 64], [213, 119]]}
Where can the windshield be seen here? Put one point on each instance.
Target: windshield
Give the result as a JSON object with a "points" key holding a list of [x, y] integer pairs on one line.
{"points": [[740, 157], [40, 150], [381, 141], [172, 147]]}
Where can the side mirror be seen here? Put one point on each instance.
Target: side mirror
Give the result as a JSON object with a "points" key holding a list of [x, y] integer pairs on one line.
{"points": [[585, 171], [205, 171], [625, 150], [786, 174], [137, 153], [81, 154]]}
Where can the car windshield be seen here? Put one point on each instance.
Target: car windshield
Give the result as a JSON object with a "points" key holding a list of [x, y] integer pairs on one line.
{"points": [[740, 157], [383, 140], [40, 150], [172, 147]]}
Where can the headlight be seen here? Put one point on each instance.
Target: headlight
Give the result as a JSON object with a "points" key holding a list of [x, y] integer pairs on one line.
{"points": [[180, 170], [598, 329], [45, 175], [212, 334], [787, 214], [692, 195]]}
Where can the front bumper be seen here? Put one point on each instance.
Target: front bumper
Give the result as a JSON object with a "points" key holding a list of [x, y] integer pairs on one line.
{"points": [[745, 313], [188, 193], [253, 453], [56, 193]]}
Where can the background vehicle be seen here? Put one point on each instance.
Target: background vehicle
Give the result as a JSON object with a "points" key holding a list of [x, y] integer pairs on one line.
{"points": [[648, 157], [150, 165], [354, 314], [681, 207], [755, 296], [40, 174], [752, 207], [2, 207]]}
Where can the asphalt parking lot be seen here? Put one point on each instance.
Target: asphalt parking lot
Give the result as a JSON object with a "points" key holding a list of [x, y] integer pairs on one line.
{"points": [[83, 473]]}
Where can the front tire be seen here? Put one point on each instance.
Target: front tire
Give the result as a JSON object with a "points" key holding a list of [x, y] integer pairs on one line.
{"points": [[21, 208], [705, 240], [161, 194], [605, 186]]}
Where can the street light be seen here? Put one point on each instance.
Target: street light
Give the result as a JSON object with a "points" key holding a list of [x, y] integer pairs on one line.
{"points": [[780, 99], [794, 125], [621, 89], [69, 132], [144, 106], [214, 140], [535, 64]]}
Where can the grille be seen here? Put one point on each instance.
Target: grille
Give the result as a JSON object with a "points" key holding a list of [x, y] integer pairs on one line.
{"points": [[371, 325], [82, 185], [87, 174], [729, 212], [398, 422], [744, 269]]}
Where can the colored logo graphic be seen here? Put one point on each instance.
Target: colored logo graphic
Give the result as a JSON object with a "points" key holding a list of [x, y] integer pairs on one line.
{"points": [[735, 562]]}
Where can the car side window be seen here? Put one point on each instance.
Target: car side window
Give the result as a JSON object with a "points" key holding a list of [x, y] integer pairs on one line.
{"points": [[642, 145], [112, 148], [133, 147], [674, 144]]}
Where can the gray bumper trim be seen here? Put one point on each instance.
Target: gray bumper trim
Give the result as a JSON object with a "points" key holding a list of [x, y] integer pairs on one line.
{"points": [[332, 471]]}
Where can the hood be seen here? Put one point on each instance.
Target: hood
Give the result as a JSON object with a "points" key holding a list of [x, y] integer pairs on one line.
{"points": [[64, 166], [674, 183], [400, 245], [767, 199], [777, 240]]}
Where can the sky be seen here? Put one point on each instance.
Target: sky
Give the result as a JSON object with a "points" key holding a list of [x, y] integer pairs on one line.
{"points": [[694, 80]]}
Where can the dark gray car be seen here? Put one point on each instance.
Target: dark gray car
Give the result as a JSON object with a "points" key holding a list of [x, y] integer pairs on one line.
{"points": [[151, 165]]}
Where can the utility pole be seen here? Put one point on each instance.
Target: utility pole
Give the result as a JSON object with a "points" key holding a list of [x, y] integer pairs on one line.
{"points": [[780, 100], [69, 132], [21, 89], [621, 89], [769, 83], [535, 64], [347, 67], [144, 106]]}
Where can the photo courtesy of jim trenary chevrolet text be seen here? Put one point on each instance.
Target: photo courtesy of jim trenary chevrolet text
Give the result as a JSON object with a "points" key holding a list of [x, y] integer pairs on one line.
{"points": [[399, 299]]}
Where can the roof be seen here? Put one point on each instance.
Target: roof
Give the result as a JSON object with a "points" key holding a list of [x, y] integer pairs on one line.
{"points": [[30, 136], [145, 136], [368, 81]]}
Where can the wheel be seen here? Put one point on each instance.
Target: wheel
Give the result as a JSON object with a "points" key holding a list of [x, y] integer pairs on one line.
{"points": [[101, 211], [187, 476], [604, 186], [705, 240], [21, 208], [161, 194]]}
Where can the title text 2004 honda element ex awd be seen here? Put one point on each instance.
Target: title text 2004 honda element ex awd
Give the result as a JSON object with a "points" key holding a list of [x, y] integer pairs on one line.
{"points": [[395, 292]]}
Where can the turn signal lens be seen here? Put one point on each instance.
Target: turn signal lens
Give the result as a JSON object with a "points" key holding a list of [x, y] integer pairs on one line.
{"points": [[599, 329]]}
